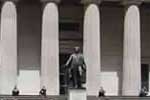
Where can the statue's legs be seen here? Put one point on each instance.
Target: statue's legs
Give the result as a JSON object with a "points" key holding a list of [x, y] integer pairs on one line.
{"points": [[79, 79], [76, 78]]}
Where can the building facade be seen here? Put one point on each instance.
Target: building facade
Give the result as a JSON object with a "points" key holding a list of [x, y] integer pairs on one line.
{"points": [[37, 36]]}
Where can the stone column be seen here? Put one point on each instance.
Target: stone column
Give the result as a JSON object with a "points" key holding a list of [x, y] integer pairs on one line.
{"points": [[8, 46], [92, 47], [132, 51], [50, 48]]}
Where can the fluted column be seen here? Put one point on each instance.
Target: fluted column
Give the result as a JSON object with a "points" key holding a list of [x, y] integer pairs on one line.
{"points": [[131, 51], [8, 46], [92, 47], [50, 48]]}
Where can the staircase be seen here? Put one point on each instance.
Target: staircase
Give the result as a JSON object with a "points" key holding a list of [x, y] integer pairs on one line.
{"points": [[36, 97], [118, 98], [32, 97]]}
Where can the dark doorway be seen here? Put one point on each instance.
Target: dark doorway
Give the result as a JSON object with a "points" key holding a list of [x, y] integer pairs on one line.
{"points": [[145, 76], [63, 73]]}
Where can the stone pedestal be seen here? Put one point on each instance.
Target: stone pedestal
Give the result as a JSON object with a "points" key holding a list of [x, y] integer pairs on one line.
{"points": [[77, 94]]}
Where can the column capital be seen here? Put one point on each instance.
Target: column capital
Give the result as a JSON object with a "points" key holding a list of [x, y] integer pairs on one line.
{"points": [[44, 2], [91, 1], [131, 2], [55, 1]]}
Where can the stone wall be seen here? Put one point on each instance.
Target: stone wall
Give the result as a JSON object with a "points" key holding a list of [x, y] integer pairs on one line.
{"points": [[29, 36], [112, 21], [112, 48]]}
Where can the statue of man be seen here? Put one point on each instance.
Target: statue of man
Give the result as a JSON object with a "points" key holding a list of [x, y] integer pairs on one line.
{"points": [[76, 68]]}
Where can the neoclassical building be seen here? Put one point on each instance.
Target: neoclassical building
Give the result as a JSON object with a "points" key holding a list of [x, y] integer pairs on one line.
{"points": [[37, 36]]}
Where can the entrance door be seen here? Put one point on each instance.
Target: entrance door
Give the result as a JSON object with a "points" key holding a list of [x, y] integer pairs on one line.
{"points": [[63, 73], [145, 76]]}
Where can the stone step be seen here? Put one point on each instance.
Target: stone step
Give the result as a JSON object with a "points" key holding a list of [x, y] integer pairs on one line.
{"points": [[36, 97], [32, 97], [118, 98]]}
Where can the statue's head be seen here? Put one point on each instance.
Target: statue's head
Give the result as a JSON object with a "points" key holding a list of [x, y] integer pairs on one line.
{"points": [[77, 49]]}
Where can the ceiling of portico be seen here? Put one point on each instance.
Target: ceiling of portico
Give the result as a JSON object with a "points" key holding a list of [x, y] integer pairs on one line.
{"points": [[113, 1], [79, 1], [125, 0], [29, 1], [146, 1]]}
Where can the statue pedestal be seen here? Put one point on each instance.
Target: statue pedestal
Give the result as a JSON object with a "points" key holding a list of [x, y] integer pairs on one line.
{"points": [[77, 94]]}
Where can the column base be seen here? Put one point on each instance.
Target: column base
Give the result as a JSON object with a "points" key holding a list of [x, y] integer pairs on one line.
{"points": [[77, 94], [130, 93]]}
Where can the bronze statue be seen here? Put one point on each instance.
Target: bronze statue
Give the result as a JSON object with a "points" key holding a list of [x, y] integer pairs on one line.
{"points": [[76, 66]]}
